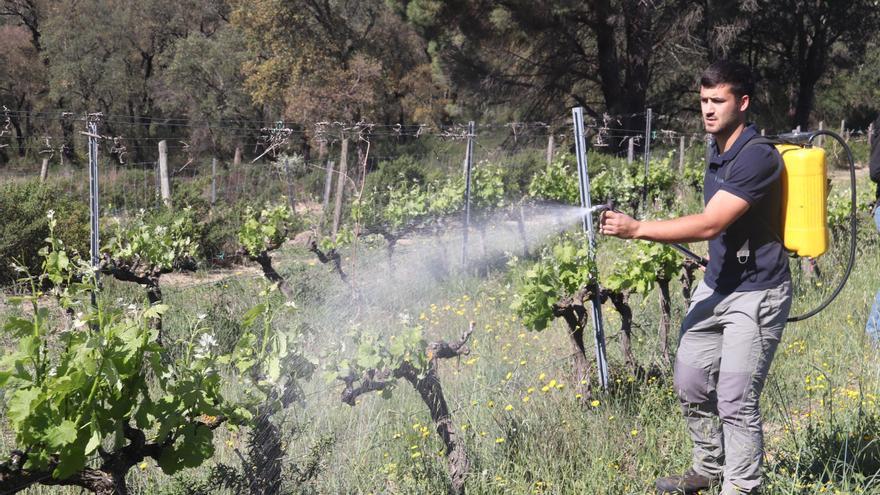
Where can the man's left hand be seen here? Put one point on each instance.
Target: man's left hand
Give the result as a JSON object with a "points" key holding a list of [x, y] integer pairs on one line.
{"points": [[618, 224]]}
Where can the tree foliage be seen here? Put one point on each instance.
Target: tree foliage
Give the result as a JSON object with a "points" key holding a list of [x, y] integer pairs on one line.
{"points": [[329, 60]]}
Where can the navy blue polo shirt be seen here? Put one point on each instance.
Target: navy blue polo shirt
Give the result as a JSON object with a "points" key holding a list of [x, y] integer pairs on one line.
{"points": [[756, 178]]}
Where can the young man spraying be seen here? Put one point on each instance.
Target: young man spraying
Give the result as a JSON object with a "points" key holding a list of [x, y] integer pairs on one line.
{"points": [[737, 314]]}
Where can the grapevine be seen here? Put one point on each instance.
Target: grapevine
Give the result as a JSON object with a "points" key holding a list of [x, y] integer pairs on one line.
{"points": [[72, 391], [559, 284], [380, 363]]}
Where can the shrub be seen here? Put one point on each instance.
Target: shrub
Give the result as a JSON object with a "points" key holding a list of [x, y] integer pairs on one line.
{"points": [[23, 225]]}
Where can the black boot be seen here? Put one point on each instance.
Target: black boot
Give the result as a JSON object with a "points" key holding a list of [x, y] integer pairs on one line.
{"points": [[688, 483]]}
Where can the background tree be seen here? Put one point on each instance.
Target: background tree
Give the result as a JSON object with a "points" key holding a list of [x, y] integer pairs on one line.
{"points": [[22, 81], [112, 69], [613, 57], [202, 79], [820, 39], [330, 60]]}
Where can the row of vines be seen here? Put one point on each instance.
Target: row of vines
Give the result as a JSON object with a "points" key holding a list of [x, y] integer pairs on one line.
{"points": [[94, 388]]}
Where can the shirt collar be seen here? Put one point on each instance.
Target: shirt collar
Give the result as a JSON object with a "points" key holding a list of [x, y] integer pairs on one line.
{"points": [[745, 136]]}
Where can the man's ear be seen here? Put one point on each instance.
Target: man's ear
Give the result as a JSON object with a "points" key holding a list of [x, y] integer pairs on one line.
{"points": [[744, 103]]}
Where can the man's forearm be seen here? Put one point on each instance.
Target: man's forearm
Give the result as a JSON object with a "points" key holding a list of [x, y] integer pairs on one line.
{"points": [[690, 228]]}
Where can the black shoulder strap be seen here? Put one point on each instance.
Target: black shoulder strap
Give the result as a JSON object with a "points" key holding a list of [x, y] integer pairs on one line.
{"points": [[755, 141], [743, 252], [710, 142]]}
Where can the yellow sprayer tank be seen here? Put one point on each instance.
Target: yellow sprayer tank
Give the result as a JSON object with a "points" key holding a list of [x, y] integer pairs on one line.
{"points": [[804, 193]]}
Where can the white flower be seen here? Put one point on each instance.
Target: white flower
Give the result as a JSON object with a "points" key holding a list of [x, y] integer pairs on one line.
{"points": [[203, 348], [50, 214], [290, 304], [78, 321], [201, 316]]}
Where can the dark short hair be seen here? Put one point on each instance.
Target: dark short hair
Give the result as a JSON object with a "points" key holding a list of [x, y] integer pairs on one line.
{"points": [[739, 76]]}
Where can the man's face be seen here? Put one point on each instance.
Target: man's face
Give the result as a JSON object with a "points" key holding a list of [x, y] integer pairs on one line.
{"points": [[722, 110]]}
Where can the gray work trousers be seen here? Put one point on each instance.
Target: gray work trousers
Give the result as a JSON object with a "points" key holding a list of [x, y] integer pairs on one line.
{"points": [[726, 345]]}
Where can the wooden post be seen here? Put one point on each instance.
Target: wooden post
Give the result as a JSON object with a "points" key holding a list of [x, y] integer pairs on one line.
{"points": [[681, 154], [237, 159], [164, 184], [340, 185], [870, 134], [291, 197], [821, 139], [328, 185], [631, 151], [44, 170], [213, 180], [550, 148]]}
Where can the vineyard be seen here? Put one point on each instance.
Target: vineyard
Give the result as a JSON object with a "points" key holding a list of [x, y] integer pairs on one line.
{"points": [[429, 334]]}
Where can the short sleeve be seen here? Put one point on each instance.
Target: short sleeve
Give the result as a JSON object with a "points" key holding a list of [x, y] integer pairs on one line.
{"points": [[754, 173]]}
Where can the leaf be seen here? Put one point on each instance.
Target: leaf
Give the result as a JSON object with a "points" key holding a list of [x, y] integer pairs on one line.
{"points": [[18, 327], [70, 462], [29, 345], [63, 261], [250, 317], [273, 368], [397, 348], [244, 364], [194, 445], [367, 356], [94, 442], [61, 434], [155, 311], [21, 404], [67, 383]]}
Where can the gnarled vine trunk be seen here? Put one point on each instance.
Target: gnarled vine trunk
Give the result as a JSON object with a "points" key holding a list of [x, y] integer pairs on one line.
{"points": [[575, 315], [687, 279], [331, 256], [265, 262], [140, 276], [108, 479], [427, 384], [620, 302]]}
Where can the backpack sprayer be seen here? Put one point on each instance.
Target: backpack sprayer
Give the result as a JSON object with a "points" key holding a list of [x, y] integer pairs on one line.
{"points": [[805, 188], [804, 203]]}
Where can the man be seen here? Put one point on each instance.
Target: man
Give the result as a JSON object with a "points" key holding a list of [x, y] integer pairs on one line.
{"points": [[873, 325], [737, 314]]}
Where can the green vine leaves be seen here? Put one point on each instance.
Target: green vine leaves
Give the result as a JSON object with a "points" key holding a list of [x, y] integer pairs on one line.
{"points": [[74, 391]]}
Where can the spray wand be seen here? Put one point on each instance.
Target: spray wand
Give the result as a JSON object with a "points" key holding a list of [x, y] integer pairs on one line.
{"points": [[609, 206]]}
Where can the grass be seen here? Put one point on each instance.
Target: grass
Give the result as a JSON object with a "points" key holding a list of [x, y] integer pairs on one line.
{"points": [[513, 398]]}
